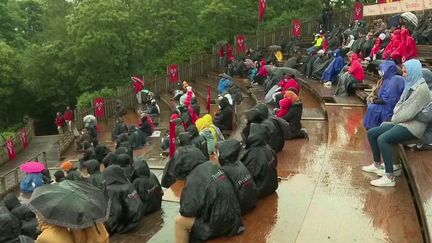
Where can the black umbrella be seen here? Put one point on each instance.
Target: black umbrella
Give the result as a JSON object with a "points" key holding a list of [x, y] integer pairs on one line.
{"points": [[275, 48], [70, 204]]}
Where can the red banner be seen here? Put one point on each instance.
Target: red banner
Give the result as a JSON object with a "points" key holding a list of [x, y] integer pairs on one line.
{"points": [[173, 73], [297, 31], [241, 44], [172, 146], [358, 11], [208, 99], [262, 9], [24, 138], [99, 107], [10, 149]]}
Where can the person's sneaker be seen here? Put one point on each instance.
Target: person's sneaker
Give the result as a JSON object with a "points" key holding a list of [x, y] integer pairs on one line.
{"points": [[384, 181], [397, 171], [372, 168], [328, 84]]}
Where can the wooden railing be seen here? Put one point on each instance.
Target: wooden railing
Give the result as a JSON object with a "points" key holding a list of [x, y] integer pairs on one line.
{"points": [[10, 180], [17, 142]]}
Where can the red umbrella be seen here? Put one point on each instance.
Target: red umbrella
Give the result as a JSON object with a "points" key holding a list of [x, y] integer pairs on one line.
{"points": [[32, 167]]}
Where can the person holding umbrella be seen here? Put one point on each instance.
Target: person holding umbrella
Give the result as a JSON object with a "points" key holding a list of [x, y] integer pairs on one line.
{"points": [[70, 211]]}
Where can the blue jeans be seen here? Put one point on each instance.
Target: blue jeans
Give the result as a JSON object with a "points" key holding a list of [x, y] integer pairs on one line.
{"points": [[381, 139]]}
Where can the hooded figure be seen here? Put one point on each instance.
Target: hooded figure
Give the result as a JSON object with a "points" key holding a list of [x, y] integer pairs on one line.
{"points": [[381, 108], [335, 67], [261, 161], [284, 105], [197, 140], [119, 129], [123, 146], [395, 42], [208, 196], [223, 85], [31, 181], [101, 151], [293, 117], [11, 202], [96, 177], [126, 205], [320, 65], [125, 162], [136, 137], [146, 126], [10, 230], [147, 186], [207, 135], [186, 157], [275, 140], [224, 118], [238, 174]]}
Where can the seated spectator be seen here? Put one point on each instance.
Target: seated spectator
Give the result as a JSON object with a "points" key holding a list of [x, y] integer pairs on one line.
{"points": [[348, 44], [147, 186], [368, 45], [153, 109], [126, 205], [59, 176], [263, 72], [423, 32], [31, 181], [380, 27], [403, 125], [186, 157], [320, 64], [348, 80], [96, 177], [224, 118], [285, 105], [136, 138], [125, 162], [227, 153], [120, 128], [380, 108], [260, 160], [207, 134], [358, 43], [208, 206], [395, 42], [146, 126], [71, 171], [331, 72], [27, 221], [10, 230], [101, 151], [224, 84], [123, 146], [317, 44], [293, 117], [187, 96], [197, 140], [377, 47]]}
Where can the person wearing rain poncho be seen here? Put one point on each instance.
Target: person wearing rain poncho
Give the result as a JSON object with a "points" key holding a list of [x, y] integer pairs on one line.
{"points": [[330, 74], [147, 186], [197, 140], [404, 125], [10, 230], [136, 138], [31, 181], [208, 206], [244, 186], [126, 205], [293, 117], [260, 160], [224, 118], [96, 177], [380, 109], [185, 158]]}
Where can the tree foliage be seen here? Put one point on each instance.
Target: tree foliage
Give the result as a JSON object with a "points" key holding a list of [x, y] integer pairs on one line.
{"points": [[52, 51]]}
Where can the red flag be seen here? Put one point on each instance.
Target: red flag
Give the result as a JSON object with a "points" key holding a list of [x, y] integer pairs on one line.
{"points": [[208, 99], [10, 149], [99, 107], [358, 11], [138, 84], [297, 28], [24, 138], [173, 72], [382, 1], [241, 44], [172, 146], [262, 9]]}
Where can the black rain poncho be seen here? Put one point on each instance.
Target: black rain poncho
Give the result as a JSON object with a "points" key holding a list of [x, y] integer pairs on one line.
{"points": [[10, 201], [224, 118], [186, 157], [197, 140], [10, 230], [101, 151], [120, 128], [210, 198], [96, 177], [27, 220], [136, 137], [293, 117], [275, 138], [126, 205], [261, 161], [240, 177], [147, 186]]}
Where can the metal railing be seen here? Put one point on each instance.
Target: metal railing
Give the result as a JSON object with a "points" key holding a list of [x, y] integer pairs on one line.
{"points": [[10, 180], [17, 142]]}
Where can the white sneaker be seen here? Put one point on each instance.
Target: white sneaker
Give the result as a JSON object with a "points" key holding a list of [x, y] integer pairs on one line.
{"points": [[328, 84], [384, 181], [372, 168], [397, 171]]}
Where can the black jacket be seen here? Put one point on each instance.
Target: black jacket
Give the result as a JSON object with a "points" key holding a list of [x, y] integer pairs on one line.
{"points": [[209, 197], [120, 128], [136, 137], [240, 177], [145, 127], [147, 186], [126, 205], [224, 118], [197, 140], [11, 201], [101, 151], [274, 139], [261, 161], [96, 177], [27, 218], [293, 117], [10, 230]]}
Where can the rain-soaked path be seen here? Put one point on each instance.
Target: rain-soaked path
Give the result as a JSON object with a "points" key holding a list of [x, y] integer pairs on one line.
{"points": [[323, 196]]}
